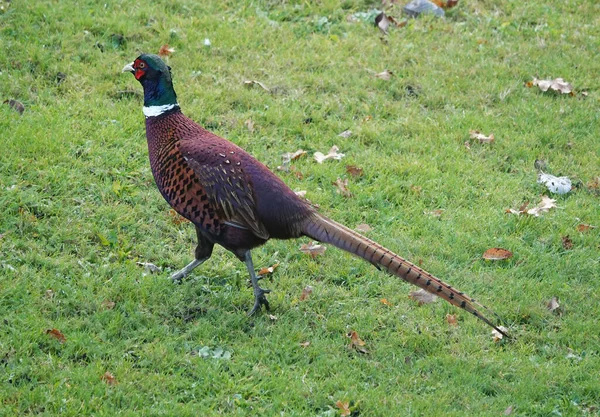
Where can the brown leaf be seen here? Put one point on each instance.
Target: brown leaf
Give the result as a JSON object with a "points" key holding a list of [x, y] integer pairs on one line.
{"points": [[49, 294], [109, 378], [354, 171], [363, 228], [55, 333], [344, 408], [451, 319], [423, 297], [295, 155], [558, 84], [250, 83], [385, 75], [313, 249], [305, 344], [384, 301], [497, 254], [108, 305], [342, 187], [356, 342], [272, 317], [567, 242], [509, 410], [553, 304], [306, 292], [332, 154], [585, 227], [15, 105], [267, 271], [165, 50], [480, 137]]}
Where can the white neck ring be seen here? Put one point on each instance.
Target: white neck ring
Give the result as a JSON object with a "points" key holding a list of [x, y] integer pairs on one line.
{"points": [[153, 111]]}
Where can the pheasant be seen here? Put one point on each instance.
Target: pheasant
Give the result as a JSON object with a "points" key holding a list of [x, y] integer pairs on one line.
{"points": [[235, 201]]}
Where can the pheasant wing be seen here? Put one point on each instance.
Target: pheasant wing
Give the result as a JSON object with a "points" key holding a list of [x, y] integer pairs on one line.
{"points": [[228, 188]]}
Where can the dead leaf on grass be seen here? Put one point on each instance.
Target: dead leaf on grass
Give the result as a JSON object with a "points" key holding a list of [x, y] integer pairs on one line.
{"points": [[305, 344], [585, 227], [451, 319], [423, 297], [553, 304], [108, 305], [434, 213], [15, 105], [306, 292], [363, 228], [342, 187], [557, 84], [49, 294], [546, 204], [344, 408], [346, 134], [332, 154], [356, 342], [176, 218], [165, 50], [249, 125], [149, 267], [497, 254], [354, 171], [384, 301], [508, 410], [313, 249], [57, 334], [109, 378], [385, 75], [480, 137], [496, 335], [272, 317], [567, 242], [267, 271]]}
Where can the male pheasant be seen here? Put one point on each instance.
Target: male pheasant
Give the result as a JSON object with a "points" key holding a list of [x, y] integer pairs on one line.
{"points": [[235, 201]]}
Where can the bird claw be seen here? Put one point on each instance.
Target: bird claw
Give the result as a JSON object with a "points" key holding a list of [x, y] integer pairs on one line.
{"points": [[259, 300], [177, 277]]}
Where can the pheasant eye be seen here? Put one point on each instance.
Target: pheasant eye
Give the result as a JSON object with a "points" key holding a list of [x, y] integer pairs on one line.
{"points": [[142, 65]]}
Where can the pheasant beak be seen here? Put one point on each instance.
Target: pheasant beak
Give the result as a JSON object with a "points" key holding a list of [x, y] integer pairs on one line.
{"points": [[129, 68]]}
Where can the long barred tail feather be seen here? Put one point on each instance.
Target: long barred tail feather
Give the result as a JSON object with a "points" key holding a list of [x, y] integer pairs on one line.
{"points": [[326, 230]]}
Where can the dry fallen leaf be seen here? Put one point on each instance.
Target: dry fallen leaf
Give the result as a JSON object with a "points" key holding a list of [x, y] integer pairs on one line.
{"points": [[356, 342], [250, 83], [434, 213], [480, 137], [165, 50], [384, 301], [249, 125], [305, 344], [108, 305], [496, 335], [423, 297], [585, 227], [301, 193], [363, 228], [57, 334], [553, 304], [313, 249], [451, 319], [15, 105], [385, 75], [150, 267], [557, 185], [342, 187], [567, 242], [346, 134], [344, 408], [272, 317], [266, 271], [509, 410], [332, 154], [109, 378], [176, 218], [354, 171], [306, 292], [497, 254], [49, 294], [544, 205], [558, 84]]}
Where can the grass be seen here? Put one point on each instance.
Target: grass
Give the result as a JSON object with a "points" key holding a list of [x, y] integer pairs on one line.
{"points": [[79, 209]]}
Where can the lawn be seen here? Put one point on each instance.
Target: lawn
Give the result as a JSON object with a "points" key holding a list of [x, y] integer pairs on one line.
{"points": [[86, 330]]}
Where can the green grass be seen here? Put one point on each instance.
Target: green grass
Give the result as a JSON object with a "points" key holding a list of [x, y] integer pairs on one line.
{"points": [[79, 208]]}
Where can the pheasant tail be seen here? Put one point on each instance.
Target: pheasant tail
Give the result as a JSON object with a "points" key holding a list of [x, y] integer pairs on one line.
{"points": [[327, 231]]}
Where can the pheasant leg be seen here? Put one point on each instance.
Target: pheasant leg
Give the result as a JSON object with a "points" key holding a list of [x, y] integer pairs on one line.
{"points": [[259, 294]]}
